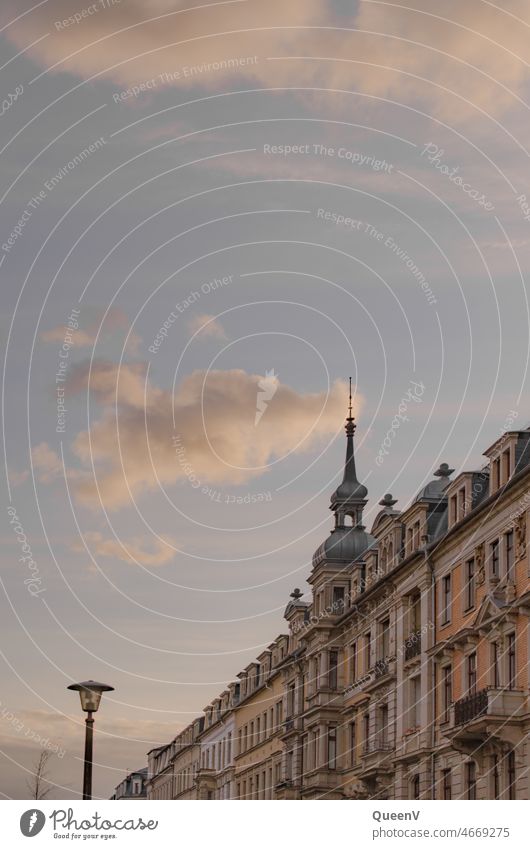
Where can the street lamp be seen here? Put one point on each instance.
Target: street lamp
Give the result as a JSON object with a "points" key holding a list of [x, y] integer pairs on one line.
{"points": [[90, 695]]}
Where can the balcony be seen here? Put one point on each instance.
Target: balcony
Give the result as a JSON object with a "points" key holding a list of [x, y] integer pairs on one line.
{"points": [[471, 706], [372, 747], [490, 712], [376, 757], [413, 645]]}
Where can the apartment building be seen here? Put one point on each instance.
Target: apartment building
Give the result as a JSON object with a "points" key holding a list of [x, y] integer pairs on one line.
{"points": [[133, 786], [405, 671]]}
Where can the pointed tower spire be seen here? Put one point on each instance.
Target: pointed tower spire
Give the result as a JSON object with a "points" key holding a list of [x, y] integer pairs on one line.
{"points": [[350, 497]]}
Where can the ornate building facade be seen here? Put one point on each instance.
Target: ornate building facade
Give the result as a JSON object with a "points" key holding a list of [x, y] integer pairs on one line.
{"points": [[405, 674]]}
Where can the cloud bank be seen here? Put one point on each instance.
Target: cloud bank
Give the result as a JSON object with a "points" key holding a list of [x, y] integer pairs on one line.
{"points": [[142, 437], [409, 50]]}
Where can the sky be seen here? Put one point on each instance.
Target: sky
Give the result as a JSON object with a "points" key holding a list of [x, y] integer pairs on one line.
{"points": [[212, 215]]}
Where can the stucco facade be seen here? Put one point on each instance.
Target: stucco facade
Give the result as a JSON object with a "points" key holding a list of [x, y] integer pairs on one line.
{"points": [[405, 671]]}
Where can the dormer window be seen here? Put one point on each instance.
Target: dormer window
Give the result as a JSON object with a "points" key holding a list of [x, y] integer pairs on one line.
{"points": [[506, 465], [338, 599]]}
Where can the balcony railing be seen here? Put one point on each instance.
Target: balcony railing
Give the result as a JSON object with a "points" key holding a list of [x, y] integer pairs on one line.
{"points": [[413, 645], [471, 706], [380, 668], [378, 744]]}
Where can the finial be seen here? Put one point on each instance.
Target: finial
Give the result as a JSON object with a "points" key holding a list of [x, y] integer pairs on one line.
{"points": [[296, 594], [388, 501], [444, 471], [350, 426]]}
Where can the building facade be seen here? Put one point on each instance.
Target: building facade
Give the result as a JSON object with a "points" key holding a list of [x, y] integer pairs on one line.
{"points": [[404, 674], [133, 786]]}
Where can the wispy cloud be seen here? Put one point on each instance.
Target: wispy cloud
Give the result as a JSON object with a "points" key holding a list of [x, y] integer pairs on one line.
{"points": [[138, 550], [133, 443], [207, 325], [408, 49]]}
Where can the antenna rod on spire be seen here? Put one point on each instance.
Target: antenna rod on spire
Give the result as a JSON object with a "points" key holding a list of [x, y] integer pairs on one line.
{"points": [[350, 406]]}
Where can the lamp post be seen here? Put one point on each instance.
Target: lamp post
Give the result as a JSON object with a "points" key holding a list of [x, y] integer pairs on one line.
{"points": [[90, 695]]}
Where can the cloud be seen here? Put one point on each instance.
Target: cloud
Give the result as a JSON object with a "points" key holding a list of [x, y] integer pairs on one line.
{"points": [[46, 462], [134, 447], [207, 325], [101, 328], [18, 478], [379, 48], [135, 550]]}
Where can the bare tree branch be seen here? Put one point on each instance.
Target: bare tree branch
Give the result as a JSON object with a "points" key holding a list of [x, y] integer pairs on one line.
{"points": [[37, 784]]}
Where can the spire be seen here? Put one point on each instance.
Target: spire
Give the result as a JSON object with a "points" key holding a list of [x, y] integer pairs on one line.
{"points": [[349, 498]]}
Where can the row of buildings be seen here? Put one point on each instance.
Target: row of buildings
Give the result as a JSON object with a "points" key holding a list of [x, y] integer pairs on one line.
{"points": [[404, 674]]}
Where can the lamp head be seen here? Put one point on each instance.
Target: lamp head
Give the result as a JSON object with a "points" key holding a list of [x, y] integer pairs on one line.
{"points": [[90, 694]]}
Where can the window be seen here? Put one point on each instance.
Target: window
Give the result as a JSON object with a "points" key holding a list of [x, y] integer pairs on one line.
{"points": [[367, 651], [314, 750], [333, 664], [366, 731], [471, 780], [509, 555], [258, 730], [383, 725], [495, 678], [510, 770], [471, 664], [495, 777], [415, 787], [332, 747], [470, 584], [363, 578], [506, 465], [453, 510], [446, 784], [353, 744], [494, 558], [415, 613], [496, 476], [461, 502], [447, 692], [385, 639], [446, 599], [512, 672], [338, 599], [289, 765], [414, 703], [290, 701], [353, 662]]}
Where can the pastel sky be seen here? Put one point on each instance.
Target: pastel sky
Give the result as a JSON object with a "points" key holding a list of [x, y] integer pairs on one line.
{"points": [[213, 215]]}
